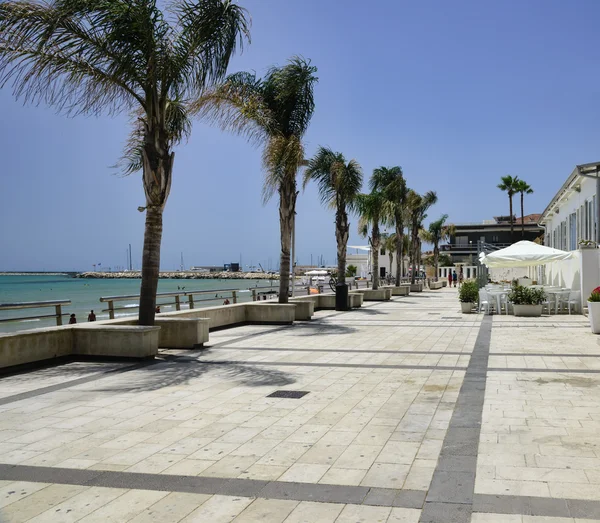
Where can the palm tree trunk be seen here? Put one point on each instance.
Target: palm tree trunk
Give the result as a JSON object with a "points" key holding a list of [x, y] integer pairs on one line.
{"points": [[150, 265], [522, 217], [399, 253], [511, 217], [375, 241], [157, 175], [287, 208], [436, 259], [415, 247], [342, 231], [391, 256]]}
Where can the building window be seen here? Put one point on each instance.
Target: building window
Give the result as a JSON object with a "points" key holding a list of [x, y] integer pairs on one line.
{"points": [[382, 251], [573, 232], [495, 239]]}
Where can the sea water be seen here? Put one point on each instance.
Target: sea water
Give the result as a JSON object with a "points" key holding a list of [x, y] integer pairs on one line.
{"points": [[85, 295]]}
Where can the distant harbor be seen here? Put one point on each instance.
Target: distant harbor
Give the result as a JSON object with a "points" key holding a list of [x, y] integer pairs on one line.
{"points": [[184, 275]]}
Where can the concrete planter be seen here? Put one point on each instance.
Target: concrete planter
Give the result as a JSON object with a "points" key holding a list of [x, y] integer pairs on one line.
{"points": [[466, 307], [402, 290], [594, 315], [377, 295], [444, 282], [434, 285], [416, 287], [527, 311]]}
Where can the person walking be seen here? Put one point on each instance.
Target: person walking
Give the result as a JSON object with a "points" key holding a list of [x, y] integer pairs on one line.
{"points": [[461, 277], [449, 279], [454, 277]]}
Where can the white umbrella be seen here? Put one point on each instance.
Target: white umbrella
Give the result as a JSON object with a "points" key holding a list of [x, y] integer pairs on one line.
{"points": [[523, 254], [316, 273]]}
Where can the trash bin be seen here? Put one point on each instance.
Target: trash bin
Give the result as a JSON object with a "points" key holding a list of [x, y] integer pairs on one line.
{"points": [[341, 297]]}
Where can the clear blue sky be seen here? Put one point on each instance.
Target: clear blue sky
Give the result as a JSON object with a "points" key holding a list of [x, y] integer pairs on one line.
{"points": [[457, 93]]}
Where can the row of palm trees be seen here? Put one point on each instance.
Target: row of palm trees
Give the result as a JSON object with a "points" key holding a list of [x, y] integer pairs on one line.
{"points": [[166, 67], [513, 185]]}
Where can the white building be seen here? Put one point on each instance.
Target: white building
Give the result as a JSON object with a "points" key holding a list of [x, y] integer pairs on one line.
{"points": [[360, 256], [572, 215]]}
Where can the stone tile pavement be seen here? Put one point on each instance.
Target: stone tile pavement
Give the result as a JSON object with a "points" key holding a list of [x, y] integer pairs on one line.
{"points": [[414, 413]]}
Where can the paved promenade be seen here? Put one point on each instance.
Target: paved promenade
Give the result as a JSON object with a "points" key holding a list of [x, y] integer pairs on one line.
{"points": [[399, 412]]}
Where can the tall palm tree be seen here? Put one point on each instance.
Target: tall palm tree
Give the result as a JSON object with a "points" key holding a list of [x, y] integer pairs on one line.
{"points": [[370, 208], [108, 57], [437, 232], [274, 111], [390, 181], [508, 184], [389, 244], [339, 184], [521, 186], [418, 206]]}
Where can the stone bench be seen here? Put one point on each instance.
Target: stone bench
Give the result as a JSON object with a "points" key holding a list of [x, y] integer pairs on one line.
{"points": [[416, 287], [326, 302], [381, 294], [123, 341], [402, 290], [305, 308], [356, 299], [270, 313], [434, 285], [182, 333]]}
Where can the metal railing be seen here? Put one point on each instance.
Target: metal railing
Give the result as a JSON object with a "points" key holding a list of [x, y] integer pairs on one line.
{"points": [[191, 297], [57, 304]]}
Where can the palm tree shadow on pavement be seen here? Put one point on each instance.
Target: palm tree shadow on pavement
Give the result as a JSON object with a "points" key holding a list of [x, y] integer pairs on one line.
{"points": [[183, 371]]}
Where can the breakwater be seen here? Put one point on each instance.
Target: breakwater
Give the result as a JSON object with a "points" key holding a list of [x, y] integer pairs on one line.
{"points": [[183, 275]]}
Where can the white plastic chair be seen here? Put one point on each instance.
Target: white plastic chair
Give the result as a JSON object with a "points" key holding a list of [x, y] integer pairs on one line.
{"points": [[571, 301], [484, 301]]}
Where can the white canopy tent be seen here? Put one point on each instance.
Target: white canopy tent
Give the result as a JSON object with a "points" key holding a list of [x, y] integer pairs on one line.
{"points": [[523, 254], [316, 273]]}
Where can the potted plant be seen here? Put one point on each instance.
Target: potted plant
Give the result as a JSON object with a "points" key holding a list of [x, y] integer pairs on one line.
{"points": [[468, 294], [527, 301], [593, 304], [587, 244]]}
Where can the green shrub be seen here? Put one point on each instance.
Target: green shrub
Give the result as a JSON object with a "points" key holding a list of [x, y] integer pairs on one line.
{"points": [[520, 295], [468, 292], [351, 271]]}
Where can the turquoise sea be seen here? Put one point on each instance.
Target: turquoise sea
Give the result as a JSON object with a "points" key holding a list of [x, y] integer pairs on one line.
{"points": [[85, 295]]}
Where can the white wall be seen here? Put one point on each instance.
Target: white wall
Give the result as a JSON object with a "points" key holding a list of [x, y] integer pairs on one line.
{"points": [[576, 217]]}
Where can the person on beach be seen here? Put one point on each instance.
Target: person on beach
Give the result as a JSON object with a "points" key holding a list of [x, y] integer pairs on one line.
{"points": [[449, 279], [72, 319], [91, 316], [454, 277], [226, 302], [157, 310]]}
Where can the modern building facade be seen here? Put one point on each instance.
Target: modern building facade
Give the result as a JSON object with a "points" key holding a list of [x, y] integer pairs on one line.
{"points": [[572, 215], [463, 246]]}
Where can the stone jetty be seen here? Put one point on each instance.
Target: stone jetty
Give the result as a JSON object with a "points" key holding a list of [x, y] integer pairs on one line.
{"points": [[184, 275]]}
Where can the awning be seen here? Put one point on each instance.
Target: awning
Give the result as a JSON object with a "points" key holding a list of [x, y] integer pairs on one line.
{"points": [[360, 247], [523, 254]]}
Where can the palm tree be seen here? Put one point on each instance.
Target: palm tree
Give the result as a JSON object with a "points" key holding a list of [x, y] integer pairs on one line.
{"points": [[417, 205], [437, 232], [389, 244], [370, 208], [521, 186], [509, 184], [117, 56], [339, 184], [274, 111], [390, 181]]}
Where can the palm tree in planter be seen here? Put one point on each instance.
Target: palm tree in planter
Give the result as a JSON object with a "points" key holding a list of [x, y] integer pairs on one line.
{"points": [[522, 187], [417, 205], [274, 111], [389, 244], [509, 185], [95, 57], [437, 232], [390, 181], [339, 184], [370, 208]]}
